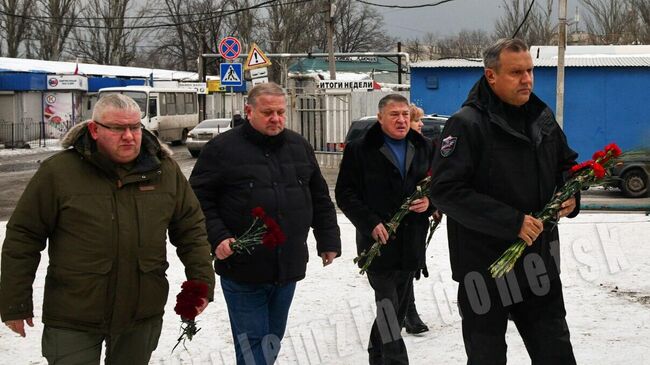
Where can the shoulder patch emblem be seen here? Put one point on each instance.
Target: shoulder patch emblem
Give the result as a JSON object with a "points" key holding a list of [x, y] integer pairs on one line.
{"points": [[448, 146]]}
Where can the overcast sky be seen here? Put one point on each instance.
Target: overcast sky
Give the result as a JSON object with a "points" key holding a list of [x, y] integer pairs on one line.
{"points": [[448, 18]]}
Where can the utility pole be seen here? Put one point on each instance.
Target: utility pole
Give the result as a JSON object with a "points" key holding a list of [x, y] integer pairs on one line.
{"points": [[331, 8], [201, 97], [561, 47], [399, 63]]}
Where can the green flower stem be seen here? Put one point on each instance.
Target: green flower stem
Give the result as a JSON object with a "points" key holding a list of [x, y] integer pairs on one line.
{"points": [[582, 178], [252, 237], [421, 190]]}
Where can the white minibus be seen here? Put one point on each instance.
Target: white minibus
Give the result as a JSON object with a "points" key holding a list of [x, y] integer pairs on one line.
{"points": [[169, 113]]}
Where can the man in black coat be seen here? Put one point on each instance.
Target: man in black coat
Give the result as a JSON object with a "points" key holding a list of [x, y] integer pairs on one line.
{"points": [[501, 158], [262, 164], [378, 172], [237, 119]]}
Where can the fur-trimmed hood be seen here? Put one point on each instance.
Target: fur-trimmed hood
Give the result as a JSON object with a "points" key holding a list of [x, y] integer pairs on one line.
{"points": [[79, 137]]}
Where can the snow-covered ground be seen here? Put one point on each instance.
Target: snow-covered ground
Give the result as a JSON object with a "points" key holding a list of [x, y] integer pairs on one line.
{"points": [[35, 147], [606, 276]]}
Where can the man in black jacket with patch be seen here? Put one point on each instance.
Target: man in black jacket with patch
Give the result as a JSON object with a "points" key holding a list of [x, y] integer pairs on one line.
{"points": [[262, 164], [378, 172], [501, 158]]}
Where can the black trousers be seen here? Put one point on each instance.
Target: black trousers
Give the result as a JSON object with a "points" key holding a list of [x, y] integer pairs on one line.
{"points": [[392, 291], [538, 313]]}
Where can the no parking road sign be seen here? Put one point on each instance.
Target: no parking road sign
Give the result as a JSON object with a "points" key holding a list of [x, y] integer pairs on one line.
{"points": [[229, 48], [231, 74]]}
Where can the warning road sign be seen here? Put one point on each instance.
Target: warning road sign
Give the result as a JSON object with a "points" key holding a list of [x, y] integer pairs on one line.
{"points": [[231, 74], [229, 48], [256, 58]]}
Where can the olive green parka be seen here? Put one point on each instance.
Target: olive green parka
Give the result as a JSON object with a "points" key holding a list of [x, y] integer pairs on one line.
{"points": [[106, 231]]}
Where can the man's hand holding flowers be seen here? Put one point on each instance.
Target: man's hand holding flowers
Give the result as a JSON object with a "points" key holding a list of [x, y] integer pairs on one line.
{"points": [[419, 205], [380, 233], [567, 207], [530, 229], [223, 250]]}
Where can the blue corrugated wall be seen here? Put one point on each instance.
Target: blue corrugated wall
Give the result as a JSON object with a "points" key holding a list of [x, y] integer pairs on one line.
{"points": [[602, 104]]}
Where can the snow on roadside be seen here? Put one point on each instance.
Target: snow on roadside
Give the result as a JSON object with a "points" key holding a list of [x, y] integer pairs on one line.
{"points": [[605, 271], [35, 147]]}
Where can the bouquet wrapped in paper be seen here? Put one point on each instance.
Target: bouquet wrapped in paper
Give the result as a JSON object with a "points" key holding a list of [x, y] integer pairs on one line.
{"points": [[583, 175], [421, 190]]}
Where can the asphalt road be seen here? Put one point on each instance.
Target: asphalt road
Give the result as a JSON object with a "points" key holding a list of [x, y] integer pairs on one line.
{"points": [[17, 170]]}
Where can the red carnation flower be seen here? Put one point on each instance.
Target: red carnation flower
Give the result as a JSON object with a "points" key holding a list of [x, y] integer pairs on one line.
{"points": [[614, 149], [580, 166], [258, 212], [273, 235], [264, 231], [191, 297], [599, 170], [599, 155]]}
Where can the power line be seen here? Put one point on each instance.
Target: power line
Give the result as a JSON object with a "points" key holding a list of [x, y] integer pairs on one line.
{"points": [[405, 6], [525, 18], [213, 15]]}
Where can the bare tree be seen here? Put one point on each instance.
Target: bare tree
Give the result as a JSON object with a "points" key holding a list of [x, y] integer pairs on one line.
{"points": [[244, 24], [538, 28], [15, 24], [292, 27], [359, 27], [108, 32], [53, 34], [608, 21], [430, 43], [465, 44], [642, 9], [542, 28], [415, 49], [197, 25]]}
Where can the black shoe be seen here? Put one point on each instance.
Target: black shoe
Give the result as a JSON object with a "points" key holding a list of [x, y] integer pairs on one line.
{"points": [[414, 324]]}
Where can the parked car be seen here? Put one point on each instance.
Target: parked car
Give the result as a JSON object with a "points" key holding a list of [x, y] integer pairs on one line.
{"points": [[631, 173], [204, 132], [432, 127]]}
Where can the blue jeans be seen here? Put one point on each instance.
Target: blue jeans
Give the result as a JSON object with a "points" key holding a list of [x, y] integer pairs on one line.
{"points": [[258, 317]]}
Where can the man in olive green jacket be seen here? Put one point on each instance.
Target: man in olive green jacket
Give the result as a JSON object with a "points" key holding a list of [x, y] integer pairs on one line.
{"points": [[104, 206]]}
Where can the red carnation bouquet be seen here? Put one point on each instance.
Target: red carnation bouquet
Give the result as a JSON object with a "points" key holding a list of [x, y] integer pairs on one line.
{"points": [[263, 231], [188, 301], [585, 174]]}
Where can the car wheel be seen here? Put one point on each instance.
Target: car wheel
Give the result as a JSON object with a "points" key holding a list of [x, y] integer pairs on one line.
{"points": [[195, 153], [183, 139], [634, 183]]}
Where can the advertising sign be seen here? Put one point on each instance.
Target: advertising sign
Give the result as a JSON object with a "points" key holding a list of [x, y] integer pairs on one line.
{"points": [[67, 82]]}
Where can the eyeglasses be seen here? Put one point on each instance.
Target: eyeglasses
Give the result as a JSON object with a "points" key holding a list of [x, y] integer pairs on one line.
{"points": [[134, 128]]}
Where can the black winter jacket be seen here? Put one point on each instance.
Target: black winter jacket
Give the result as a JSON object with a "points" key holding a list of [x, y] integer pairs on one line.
{"points": [[370, 189], [242, 169], [495, 175]]}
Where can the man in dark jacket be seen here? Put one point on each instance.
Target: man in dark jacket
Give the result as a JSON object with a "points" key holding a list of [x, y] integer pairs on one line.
{"points": [[104, 207], [262, 164], [378, 172], [237, 120], [501, 158]]}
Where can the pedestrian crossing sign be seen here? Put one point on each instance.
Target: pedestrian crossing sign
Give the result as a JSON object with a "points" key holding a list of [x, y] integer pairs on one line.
{"points": [[231, 74]]}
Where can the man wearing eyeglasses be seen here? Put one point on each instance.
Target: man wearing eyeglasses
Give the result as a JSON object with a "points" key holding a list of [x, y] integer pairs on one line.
{"points": [[104, 206]]}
